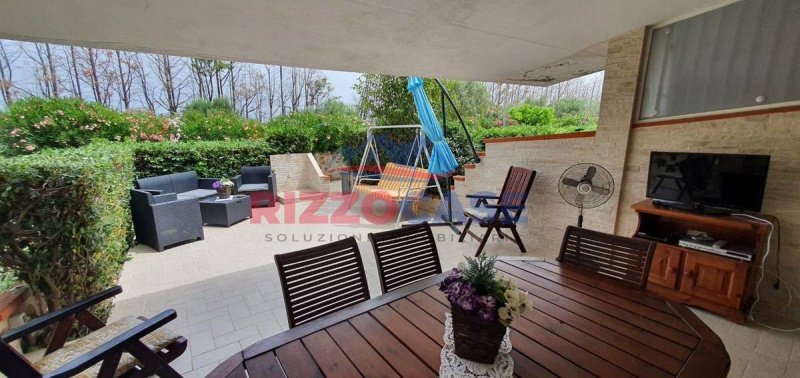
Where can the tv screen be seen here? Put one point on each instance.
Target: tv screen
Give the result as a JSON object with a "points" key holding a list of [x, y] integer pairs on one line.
{"points": [[719, 180]]}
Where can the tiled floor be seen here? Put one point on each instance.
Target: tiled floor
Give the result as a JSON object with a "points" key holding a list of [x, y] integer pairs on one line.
{"points": [[226, 292]]}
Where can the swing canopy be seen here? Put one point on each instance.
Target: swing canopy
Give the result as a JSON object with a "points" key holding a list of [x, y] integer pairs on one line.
{"points": [[442, 160]]}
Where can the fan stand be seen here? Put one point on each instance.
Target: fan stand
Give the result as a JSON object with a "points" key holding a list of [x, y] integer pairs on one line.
{"points": [[580, 217]]}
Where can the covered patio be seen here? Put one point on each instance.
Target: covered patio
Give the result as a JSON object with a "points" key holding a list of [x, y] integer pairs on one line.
{"points": [[226, 289]]}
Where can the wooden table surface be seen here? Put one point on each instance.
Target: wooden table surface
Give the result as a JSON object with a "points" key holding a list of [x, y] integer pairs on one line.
{"points": [[581, 324]]}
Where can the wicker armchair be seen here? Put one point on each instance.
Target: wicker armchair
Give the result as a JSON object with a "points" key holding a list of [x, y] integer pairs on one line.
{"points": [[259, 183], [162, 219]]}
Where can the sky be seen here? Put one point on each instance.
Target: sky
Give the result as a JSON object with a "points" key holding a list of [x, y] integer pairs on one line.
{"points": [[343, 85]]}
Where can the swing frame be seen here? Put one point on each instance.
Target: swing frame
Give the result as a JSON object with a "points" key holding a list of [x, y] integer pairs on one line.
{"points": [[419, 149]]}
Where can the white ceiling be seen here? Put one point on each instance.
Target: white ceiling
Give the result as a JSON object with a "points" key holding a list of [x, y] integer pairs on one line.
{"points": [[528, 41]]}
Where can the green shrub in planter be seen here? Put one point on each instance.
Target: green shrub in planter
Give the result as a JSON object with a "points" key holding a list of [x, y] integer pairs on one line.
{"points": [[34, 124], [208, 158], [65, 222]]}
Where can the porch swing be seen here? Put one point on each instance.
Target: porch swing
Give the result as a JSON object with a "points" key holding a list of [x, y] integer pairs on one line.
{"points": [[402, 183], [408, 183]]}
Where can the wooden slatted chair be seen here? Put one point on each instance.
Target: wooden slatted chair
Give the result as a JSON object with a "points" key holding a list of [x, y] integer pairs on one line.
{"points": [[626, 259], [405, 255], [397, 180], [321, 280], [130, 347], [506, 212]]}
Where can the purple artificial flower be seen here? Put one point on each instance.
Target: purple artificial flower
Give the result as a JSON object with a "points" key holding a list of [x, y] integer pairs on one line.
{"points": [[487, 308], [216, 185], [454, 276]]}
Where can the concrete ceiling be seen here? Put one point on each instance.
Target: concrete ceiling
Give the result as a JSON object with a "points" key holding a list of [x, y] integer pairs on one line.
{"points": [[517, 41]]}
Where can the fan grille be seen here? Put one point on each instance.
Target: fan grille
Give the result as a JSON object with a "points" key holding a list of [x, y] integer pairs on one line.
{"points": [[602, 179]]}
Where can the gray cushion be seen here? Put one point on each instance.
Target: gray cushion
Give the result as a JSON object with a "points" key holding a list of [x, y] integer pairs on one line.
{"points": [[254, 187], [255, 175], [184, 181], [163, 183], [483, 215], [197, 193]]}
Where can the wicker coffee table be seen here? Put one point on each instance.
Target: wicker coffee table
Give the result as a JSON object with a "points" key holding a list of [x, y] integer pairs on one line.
{"points": [[225, 212]]}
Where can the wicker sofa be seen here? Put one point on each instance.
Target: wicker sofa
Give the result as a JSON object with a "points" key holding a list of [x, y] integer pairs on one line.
{"points": [[166, 209]]}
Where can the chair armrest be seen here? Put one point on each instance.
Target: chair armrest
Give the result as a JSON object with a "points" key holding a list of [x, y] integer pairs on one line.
{"points": [[43, 321], [237, 182], [154, 192], [273, 183], [162, 198], [98, 354], [206, 183], [507, 207], [487, 196]]}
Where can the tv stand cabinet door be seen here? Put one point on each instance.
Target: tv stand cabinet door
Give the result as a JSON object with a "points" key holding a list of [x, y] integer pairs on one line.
{"points": [[717, 279], [665, 266]]}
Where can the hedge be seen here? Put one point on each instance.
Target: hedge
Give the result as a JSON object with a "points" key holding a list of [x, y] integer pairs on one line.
{"points": [[34, 124], [208, 158], [65, 222]]}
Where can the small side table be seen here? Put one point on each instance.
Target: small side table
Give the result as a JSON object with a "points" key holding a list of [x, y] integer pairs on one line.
{"points": [[225, 212], [454, 366]]}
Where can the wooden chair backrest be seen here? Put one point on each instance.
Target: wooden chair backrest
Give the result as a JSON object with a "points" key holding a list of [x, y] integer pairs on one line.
{"points": [[405, 255], [321, 280], [517, 187], [402, 177], [626, 259]]}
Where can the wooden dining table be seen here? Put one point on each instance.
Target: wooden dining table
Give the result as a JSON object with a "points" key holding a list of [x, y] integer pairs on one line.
{"points": [[581, 324]]}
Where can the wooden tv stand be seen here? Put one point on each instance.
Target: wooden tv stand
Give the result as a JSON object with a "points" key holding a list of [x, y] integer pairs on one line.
{"points": [[716, 283]]}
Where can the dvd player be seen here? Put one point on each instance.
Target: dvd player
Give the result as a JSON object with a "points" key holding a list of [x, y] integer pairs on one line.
{"points": [[708, 246]]}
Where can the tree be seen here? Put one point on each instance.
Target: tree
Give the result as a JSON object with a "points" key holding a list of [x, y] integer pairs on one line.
{"points": [[46, 75], [6, 74], [209, 77], [170, 72], [140, 71], [386, 100], [124, 76]]}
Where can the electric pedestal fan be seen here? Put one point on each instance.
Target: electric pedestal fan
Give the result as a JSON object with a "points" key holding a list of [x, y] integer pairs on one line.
{"points": [[585, 186]]}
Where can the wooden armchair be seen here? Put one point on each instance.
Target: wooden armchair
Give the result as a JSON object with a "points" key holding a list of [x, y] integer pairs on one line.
{"points": [[625, 259], [506, 212], [131, 347]]}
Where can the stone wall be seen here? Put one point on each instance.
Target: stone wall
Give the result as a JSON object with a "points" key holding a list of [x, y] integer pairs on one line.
{"points": [[548, 213], [776, 134], [625, 151], [298, 172]]}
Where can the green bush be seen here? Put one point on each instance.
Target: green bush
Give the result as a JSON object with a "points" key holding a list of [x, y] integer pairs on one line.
{"points": [[308, 131], [65, 222], [148, 127], [218, 124], [207, 158], [204, 106], [34, 124], [7, 279], [531, 114]]}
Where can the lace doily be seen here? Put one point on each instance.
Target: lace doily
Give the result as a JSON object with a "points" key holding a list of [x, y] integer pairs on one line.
{"points": [[455, 366]]}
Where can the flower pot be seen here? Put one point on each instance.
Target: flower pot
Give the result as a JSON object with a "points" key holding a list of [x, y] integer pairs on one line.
{"points": [[476, 340], [224, 192]]}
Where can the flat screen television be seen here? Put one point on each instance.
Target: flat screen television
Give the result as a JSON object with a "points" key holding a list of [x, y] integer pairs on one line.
{"points": [[707, 182]]}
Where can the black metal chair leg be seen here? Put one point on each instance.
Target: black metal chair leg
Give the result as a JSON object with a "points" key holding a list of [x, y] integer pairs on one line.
{"points": [[464, 232], [484, 240], [518, 240]]}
